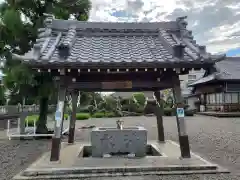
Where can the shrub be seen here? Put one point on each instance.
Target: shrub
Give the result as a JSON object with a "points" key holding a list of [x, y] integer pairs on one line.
{"points": [[99, 115], [168, 112], [140, 98], [125, 107], [168, 102], [82, 116], [105, 114], [111, 114], [83, 109], [124, 101], [65, 116], [136, 114], [140, 110], [150, 107], [30, 120]]}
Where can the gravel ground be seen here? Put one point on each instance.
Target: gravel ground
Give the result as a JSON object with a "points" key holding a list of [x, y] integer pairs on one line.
{"points": [[217, 140]]}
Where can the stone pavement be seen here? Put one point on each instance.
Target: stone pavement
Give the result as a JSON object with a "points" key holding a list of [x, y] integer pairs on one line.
{"points": [[71, 164], [214, 139]]}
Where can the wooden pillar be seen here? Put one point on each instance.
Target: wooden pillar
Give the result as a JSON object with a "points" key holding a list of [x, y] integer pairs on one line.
{"points": [[179, 105], [74, 95], [159, 114], [59, 117]]}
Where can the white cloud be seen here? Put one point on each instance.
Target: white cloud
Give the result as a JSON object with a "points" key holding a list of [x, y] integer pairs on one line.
{"points": [[215, 23]]}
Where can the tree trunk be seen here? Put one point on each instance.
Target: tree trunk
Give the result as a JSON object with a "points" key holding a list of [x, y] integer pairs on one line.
{"points": [[42, 120]]}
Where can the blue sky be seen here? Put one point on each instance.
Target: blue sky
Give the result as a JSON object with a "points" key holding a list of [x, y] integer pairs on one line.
{"points": [[234, 52]]}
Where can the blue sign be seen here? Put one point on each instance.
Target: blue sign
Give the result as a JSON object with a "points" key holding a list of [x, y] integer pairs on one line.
{"points": [[58, 116], [180, 112]]}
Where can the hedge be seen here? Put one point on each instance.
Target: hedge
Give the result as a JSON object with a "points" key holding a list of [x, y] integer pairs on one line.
{"points": [[82, 116], [168, 112], [102, 115], [79, 116], [30, 120]]}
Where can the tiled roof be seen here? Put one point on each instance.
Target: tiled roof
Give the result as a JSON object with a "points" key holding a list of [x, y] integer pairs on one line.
{"points": [[70, 42], [202, 80], [228, 69]]}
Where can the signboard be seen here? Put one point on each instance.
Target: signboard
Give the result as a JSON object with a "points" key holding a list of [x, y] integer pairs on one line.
{"points": [[58, 118], [117, 85], [58, 114], [180, 113]]}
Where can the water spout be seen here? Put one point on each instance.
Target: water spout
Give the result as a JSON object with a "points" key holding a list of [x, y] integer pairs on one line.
{"points": [[119, 124]]}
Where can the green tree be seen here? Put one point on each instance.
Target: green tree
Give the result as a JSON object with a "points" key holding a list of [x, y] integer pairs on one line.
{"points": [[19, 21], [139, 97]]}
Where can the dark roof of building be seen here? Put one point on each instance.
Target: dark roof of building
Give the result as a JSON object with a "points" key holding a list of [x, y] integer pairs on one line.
{"points": [[71, 42], [226, 70]]}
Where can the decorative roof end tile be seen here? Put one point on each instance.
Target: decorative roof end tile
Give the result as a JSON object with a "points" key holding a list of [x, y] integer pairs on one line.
{"points": [[202, 49], [48, 20], [182, 23], [64, 51], [66, 46], [178, 50]]}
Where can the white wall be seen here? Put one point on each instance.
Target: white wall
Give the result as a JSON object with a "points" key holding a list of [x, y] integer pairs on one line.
{"points": [[185, 80], [191, 102]]}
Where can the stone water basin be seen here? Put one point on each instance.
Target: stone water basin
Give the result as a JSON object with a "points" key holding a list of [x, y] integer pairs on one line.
{"points": [[114, 141]]}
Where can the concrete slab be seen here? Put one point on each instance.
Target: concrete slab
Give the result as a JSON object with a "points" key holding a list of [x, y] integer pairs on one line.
{"points": [[72, 165], [220, 114]]}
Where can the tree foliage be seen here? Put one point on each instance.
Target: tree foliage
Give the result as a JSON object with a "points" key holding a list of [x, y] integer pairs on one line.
{"points": [[19, 21], [139, 98]]}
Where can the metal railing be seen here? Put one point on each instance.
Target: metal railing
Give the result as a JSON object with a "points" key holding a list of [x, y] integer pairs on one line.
{"points": [[15, 109]]}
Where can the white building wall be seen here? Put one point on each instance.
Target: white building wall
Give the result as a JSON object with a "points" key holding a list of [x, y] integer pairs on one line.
{"points": [[191, 102], [190, 78]]}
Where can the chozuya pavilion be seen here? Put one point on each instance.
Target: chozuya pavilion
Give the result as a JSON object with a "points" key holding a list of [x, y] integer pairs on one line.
{"points": [[106, 56]]}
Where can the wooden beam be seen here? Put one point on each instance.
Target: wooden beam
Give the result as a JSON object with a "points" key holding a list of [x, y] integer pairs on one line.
{"points": [[105, 76], [112, 65], [135, 85]]}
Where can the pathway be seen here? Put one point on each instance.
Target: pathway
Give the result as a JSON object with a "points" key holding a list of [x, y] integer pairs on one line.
{"points": [[215, 139]]}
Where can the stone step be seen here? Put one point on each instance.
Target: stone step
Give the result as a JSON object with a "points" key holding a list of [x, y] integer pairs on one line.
{"points": [[76, 176]]}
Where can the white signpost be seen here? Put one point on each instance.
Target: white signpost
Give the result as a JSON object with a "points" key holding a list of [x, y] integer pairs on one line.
{"points": [[180, 118], [180, 113]]}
